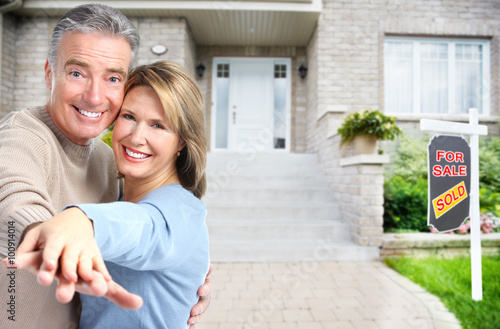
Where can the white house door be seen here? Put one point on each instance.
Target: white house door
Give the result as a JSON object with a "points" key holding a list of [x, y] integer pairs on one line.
{"points": [[246, 105], [251, 106]]}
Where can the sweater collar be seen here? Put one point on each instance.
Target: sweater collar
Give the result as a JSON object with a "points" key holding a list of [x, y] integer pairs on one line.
{"points": [[69, 147]]}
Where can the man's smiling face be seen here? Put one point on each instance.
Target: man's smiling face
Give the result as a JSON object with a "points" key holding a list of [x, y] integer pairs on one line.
{"points": [[87, 84]]}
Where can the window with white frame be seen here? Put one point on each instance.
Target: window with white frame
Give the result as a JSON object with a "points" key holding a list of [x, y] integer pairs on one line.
{"points": [[434, 75]]}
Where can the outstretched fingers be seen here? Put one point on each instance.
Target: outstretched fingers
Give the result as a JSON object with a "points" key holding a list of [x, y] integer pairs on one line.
{"points": [[122, 298], [51, 253], [65, 290]]}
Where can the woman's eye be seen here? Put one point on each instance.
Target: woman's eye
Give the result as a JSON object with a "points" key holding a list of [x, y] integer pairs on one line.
{"points": [[159, 126]]}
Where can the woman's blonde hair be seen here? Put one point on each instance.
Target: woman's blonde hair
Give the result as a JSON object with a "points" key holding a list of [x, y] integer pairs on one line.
{"points": [[183, 104]]}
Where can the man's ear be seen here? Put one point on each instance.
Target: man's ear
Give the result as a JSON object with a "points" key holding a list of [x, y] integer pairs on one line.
{"points": [[48, 75]]}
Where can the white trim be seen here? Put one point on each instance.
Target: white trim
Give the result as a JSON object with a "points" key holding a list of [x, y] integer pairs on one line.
{"points": [[416, 41], [449, 127], [279, 5], [364, 159], [230, 60]]}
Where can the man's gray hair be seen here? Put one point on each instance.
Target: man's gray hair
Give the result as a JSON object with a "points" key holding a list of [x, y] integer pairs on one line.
{"points": [[94, 18]]}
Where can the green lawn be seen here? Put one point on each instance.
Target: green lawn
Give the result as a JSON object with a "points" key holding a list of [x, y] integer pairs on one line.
{"points": [[450, 280]]}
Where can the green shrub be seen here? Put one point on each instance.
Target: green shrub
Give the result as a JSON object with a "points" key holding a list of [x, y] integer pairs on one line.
{"points": [[405, 205], [489, 201], [410, 160], [106, 138], [489, 163]]}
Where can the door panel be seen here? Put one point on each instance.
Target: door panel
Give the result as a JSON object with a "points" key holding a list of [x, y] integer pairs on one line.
{"points": [[251, 99]]}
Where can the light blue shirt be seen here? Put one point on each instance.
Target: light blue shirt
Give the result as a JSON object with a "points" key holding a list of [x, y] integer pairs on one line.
{"points": [[157, 249]]}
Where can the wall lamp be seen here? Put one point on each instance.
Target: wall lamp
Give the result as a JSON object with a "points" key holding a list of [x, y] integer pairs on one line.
{"points": [[159, 49], [303, 71], [200, 69]]}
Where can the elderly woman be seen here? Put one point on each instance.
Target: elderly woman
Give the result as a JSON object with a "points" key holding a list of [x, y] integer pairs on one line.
{"points": [[160, 149]]}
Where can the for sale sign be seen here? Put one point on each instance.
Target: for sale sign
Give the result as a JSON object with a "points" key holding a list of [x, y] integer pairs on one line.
{"points": [[449, 182]]}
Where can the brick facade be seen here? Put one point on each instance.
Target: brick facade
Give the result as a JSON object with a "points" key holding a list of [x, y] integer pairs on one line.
{"points": [[172, 33], [8, 65], [345, 57]]}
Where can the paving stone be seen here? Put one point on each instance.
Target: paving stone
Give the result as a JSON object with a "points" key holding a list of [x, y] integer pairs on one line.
{"points": [[269, 303]]}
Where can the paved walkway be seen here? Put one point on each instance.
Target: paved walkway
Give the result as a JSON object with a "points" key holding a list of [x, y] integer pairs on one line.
{"points": [[312, 295]]}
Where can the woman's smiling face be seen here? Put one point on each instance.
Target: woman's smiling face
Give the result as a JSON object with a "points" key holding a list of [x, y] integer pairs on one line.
{"points": [[144, 144]]}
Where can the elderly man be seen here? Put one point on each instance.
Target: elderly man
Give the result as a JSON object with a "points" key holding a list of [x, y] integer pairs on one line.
{"points": [[49, 156]]}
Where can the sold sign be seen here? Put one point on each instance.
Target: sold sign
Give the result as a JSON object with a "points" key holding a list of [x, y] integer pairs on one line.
{"points": [[449, 182], [449, 199]]}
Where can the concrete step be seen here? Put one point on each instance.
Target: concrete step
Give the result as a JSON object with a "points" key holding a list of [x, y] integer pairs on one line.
{"points": [[221, 159], [275, 207], [319, 250], [275, 211], [287, 230], [268, 170], [263, 180], [281, 194]]}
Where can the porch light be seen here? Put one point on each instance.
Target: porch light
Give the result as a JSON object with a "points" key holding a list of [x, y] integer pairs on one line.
{"points": [[159, 49], [200, 69], [303, 71]]}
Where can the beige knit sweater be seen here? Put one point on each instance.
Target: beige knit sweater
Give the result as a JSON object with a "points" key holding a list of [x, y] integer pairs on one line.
{"points": [[41, 171]]}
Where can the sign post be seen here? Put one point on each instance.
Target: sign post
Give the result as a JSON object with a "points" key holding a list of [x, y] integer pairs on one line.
{"points": [[474, 130]]}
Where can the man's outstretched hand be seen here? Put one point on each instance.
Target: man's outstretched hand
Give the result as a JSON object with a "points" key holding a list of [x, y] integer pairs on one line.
{"points": [[98, 286], [63, 247]]}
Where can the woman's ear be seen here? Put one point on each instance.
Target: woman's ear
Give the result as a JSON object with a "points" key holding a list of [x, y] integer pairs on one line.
{"points": [[182, 144]]}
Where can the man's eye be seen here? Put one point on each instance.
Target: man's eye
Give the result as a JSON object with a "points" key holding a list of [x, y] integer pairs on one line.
{"points": [[128, 117], [76, 74], [114, 79]]}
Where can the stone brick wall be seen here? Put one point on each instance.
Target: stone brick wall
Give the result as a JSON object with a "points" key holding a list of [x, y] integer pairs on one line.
{"points": [[31, 46], [8, 66], [362, 186], [435, 245], [346, 55], [172, 33]]}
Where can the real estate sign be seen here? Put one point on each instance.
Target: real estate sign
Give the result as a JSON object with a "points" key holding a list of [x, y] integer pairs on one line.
{"points": [[454, 182], [449, 159]]}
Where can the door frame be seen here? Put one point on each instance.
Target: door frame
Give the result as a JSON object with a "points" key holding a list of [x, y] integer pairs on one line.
{"points": [[230, 60]]}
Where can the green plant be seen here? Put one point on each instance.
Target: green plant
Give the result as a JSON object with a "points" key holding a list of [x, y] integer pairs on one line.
{"points": [[489, 163], [405, 204], [368, 123], [106, 137], [410, 160], [489, 201]]}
